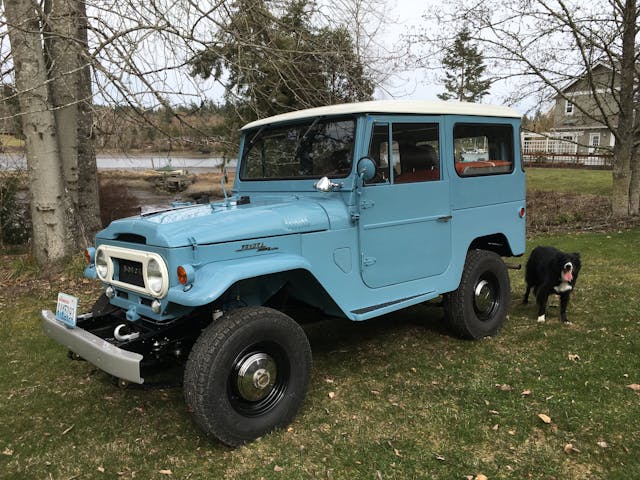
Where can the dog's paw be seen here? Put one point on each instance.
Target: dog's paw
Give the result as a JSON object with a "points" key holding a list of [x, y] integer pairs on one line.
{"points": [[542, 319]]}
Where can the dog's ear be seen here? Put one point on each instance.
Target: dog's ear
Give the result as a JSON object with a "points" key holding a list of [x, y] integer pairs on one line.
{"points": [[576, 255]]}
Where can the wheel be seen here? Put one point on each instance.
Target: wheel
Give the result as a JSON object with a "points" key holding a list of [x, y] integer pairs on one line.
{"points": [[247, 374], [478, 307]]}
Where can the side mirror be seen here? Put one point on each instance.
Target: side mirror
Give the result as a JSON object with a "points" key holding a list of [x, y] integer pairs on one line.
{"points": [[366, 169]]}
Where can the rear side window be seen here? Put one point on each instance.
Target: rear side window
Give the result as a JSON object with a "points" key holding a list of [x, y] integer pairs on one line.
{"points": [[483, 149]]}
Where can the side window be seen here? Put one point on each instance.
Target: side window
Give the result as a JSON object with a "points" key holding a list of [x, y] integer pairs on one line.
{"points": [[379, 152], [416, 152], [483, 149]]}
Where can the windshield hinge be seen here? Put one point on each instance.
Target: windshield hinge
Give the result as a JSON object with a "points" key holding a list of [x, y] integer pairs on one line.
{"points": [[194, 248]]}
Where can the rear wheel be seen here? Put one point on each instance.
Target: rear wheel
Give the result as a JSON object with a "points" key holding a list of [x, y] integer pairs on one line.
{"points": [[479, 306], [247, 374]]}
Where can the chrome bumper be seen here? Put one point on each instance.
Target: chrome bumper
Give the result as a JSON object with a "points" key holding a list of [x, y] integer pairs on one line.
{"points": [[113, 360]]}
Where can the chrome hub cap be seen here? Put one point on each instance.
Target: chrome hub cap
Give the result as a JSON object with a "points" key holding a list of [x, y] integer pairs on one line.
{"points": [[485, 300], [257, 374]]}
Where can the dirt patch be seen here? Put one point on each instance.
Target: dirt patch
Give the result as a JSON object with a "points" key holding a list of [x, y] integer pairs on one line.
{"points": [[556, 212], [150, 187]]}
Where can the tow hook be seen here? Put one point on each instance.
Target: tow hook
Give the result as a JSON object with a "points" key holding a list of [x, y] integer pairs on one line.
{"points": [[124, 337]]}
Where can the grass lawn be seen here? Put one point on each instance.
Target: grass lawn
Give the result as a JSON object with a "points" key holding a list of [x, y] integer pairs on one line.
{"points": [[408, 400], [570, 180], [11, 141]]}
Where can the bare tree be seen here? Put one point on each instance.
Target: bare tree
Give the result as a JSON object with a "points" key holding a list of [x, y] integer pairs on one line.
{"points": [[50, 203], [64, 54], [540, 46]]}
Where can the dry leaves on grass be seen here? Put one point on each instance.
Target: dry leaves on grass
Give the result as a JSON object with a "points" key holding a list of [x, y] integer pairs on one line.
{"points": [[634, 386], [504, 387], [569, 448], [545, 418], [165, 472]]}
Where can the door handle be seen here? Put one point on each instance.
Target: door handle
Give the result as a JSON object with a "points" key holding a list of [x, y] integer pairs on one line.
{"points": [[445, 218]]}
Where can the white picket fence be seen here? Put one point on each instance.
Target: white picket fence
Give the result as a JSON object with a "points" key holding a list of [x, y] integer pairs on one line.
{"points": [[558, 151]]}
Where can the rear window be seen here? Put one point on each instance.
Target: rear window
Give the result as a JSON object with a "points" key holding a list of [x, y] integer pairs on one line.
{"points": [[483, 149]]}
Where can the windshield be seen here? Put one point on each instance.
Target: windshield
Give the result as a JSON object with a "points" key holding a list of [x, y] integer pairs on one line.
{"points": [[311, 149]]}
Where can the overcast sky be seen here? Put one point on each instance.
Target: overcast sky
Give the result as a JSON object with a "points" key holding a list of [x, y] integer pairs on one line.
{"points": [[419, 84]]}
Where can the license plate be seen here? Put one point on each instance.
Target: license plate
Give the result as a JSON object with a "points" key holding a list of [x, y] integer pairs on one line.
{"points": [[67, 309]]}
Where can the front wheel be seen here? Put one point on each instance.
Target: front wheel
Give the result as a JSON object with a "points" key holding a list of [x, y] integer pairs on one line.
{"points": [[478, 307], [247, 374]]}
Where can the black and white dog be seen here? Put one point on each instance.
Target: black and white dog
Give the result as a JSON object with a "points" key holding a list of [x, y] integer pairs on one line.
{"points": [[551, 271]]}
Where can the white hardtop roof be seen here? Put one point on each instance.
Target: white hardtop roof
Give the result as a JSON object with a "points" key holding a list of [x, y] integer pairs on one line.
{"points": [[396, 107]]}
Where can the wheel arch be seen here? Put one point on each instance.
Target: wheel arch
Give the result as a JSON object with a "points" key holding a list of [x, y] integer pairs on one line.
{"points": [[254, 282], [496, 242], [277, 289]]}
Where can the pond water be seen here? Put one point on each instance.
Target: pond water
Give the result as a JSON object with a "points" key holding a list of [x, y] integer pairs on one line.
{"points": [[144, 161]]}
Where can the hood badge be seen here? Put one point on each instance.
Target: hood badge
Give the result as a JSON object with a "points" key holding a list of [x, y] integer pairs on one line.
{"points": [[258, 246]]}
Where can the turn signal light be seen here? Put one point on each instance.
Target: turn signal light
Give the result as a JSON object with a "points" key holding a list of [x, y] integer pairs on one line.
{"points": [[90, 254], [522, 212], [183, 277]]}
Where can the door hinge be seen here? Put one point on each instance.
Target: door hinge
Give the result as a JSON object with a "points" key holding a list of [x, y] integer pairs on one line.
{"points": [[368, 261]]}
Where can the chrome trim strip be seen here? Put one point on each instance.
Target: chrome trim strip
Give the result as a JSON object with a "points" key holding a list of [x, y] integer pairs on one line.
{"points": [[135, 256]]}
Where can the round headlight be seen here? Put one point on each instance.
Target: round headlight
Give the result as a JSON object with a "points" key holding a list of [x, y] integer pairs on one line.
{"points": [[154, 276], [102, 264]]}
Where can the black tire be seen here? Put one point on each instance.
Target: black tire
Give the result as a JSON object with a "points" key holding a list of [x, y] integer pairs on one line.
{"points": [[247, 374], [478, 308]]}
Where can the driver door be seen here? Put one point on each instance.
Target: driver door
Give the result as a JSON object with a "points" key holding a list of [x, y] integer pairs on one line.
{"points": [[405, 213]]}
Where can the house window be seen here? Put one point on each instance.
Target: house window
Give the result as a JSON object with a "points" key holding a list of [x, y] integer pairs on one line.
{"points": [[568, 107], [594, 142]]}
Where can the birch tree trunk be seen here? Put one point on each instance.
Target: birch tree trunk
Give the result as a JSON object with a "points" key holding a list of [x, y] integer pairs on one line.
{"points": [[88, 186], [66, 43], [50, 235]]}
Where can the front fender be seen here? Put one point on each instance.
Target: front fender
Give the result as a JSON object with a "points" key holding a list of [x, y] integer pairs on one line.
{"points": [[212, 280]]}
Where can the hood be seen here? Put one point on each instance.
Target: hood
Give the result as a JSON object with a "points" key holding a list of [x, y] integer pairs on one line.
{"points": [[217, 223]]}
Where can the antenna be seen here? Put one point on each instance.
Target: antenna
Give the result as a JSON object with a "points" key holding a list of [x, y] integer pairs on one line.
{"points": [[223, 180]]}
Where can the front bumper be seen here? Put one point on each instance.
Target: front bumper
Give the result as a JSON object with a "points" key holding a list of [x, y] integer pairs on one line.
{"points": [[113, 360]]}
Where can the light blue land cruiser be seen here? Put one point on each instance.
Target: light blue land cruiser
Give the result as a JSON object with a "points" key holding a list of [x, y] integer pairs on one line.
{"points": [[358, 210]]}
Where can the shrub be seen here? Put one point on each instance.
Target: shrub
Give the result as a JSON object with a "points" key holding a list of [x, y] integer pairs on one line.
{"points": [[15, 218], [116, 201]]}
